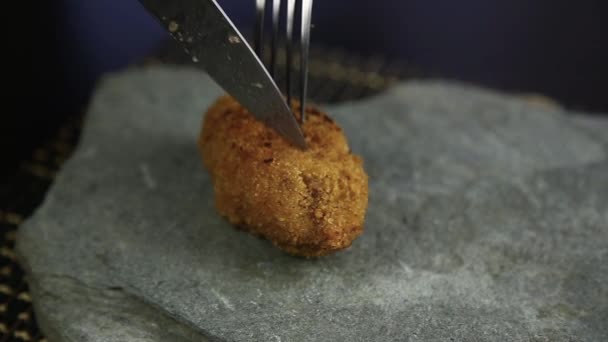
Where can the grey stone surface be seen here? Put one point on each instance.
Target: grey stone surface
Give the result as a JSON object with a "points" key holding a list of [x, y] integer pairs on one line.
{"points": [[488, 221]]}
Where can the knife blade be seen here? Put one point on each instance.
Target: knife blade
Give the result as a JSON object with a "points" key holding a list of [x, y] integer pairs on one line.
{"points": [[211, 39]]}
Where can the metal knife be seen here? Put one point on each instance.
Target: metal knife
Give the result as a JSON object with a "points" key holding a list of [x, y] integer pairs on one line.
{"points": [[211, 39]]}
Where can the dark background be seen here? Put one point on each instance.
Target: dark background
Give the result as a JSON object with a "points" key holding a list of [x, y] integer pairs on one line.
{"points": [[55, 51], [558, 48]]}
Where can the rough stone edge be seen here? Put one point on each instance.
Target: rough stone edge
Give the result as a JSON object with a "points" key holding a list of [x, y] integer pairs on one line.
{"points": [[44, 296], [36, 291]]}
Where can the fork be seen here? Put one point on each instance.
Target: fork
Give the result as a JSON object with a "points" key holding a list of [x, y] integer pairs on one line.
{"points": [[305, 10]]}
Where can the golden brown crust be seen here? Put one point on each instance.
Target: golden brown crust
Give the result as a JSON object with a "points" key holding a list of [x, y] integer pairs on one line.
{"points": [[308, 203]]}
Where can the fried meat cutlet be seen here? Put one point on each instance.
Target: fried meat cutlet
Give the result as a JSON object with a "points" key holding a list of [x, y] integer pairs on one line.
{"points": [[306, 202]]}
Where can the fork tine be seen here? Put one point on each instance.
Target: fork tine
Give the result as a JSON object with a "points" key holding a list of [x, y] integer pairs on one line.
{"points": [[305, 45], [305, 22], [260, 6], [291, 5], [276, 5]]}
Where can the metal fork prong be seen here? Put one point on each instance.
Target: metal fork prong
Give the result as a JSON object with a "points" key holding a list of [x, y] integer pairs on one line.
{"points": [[304, 46], [260, 6], [276, 6], [291, 6]]}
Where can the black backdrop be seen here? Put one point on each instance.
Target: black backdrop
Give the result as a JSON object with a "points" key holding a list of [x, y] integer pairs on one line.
{"points": [[555, 47]]}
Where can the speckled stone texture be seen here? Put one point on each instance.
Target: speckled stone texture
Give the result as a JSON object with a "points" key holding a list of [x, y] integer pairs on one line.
{"points": [[488, 221]]}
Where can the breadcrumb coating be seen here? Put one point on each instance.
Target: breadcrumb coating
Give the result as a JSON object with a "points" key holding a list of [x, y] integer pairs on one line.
{"points": [[306, 202]]}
